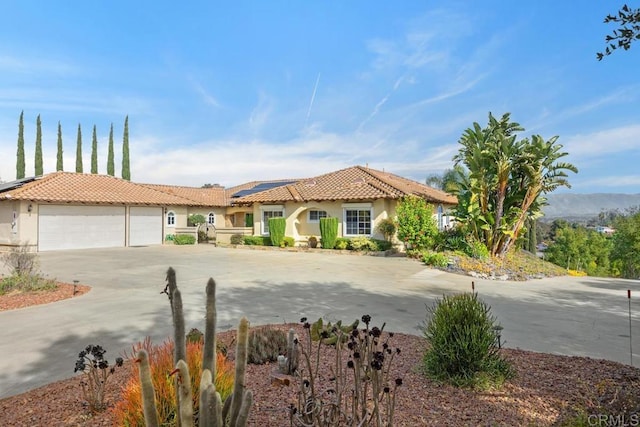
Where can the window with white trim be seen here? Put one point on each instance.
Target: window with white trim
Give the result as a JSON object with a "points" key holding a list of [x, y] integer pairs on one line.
{"points": [[357, 221], [211, 218], [266, 214], [315, 215], [171, 219]]}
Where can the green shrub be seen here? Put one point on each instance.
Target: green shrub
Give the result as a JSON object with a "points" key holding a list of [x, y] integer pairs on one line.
{"points": [[383, 245], [463, 343], [342, 243], [289, 242], [26, 283], [387, 227], [363, 243], [194, 220], [476, 249], [265, 345], [184, 239], [203, 237], [257, 240], [328, 232], [277, 228], [25, 275], [452, 239], [237, 239], [436, 259], [416, 226]]}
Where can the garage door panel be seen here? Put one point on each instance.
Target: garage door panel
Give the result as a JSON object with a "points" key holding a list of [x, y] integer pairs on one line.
{"points": [[145, 226], [80, 227]]}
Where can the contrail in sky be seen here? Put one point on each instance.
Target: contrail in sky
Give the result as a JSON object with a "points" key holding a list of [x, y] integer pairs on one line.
{"points": [[313, 96]]}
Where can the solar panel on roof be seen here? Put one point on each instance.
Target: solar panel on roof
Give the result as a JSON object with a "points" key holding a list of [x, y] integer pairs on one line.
{"points": [[263, 186], [15, 184]]}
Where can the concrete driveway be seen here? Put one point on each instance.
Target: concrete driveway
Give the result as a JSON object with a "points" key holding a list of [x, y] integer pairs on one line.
{"points": [[571, 316]]}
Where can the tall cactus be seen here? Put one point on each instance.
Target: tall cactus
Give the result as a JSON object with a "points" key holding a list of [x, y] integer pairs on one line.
{"points": [[180, 343], [292, 353], [185, 410], [148, 393], [241, 398], [209, 351], [212, 413]]}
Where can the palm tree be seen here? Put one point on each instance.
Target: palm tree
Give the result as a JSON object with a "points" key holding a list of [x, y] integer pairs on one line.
{"points": [[506, 177]]}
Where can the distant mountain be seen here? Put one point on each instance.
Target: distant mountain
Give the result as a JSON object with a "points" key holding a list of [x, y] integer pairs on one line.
{"points": [[584, 206]]}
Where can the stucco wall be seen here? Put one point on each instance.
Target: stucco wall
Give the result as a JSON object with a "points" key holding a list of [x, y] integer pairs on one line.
{"points": [[6, 217], [299, 227]]}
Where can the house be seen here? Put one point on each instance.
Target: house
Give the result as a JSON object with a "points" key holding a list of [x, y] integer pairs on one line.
{"points": [[64, 210], [359, 196]]}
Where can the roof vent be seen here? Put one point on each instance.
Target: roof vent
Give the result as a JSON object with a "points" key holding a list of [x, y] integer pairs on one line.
{"points": [[310, 183]]}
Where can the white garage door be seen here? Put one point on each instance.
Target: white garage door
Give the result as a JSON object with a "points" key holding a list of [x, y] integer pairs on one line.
{"points": [[80, 227], [145, 226]]}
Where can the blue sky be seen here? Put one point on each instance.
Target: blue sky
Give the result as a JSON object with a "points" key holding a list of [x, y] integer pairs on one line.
{"points": [[238, 91]]}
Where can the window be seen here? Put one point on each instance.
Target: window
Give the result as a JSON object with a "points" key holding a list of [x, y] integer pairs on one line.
{"points": [[357, 222], [266, 214], [171, 219], [315, 215], [211, 218]]}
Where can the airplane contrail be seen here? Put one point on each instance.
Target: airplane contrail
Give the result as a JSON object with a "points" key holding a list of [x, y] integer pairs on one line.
{"points": [[313, 96]]}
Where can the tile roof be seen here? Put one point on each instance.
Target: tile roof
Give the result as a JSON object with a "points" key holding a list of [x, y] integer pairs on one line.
{"points": [[354, 183], [68, 187], [212, 196]]}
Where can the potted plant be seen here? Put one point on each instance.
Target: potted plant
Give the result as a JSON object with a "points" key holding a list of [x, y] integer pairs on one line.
{"points": [[313, 242]]}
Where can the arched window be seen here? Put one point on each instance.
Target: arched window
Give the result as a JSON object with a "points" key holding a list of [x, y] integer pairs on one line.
{"points": [[171, 219], [211, 218]]}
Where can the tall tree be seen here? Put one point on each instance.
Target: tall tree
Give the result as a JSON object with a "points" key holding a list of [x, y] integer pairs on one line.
{"points": [[629, 31], [79, 151], [126, 168], [110, 160], [94, 152], [625, 253], [448, 181], [20, 153], [38, 161], [505, 180], [59, 166]]}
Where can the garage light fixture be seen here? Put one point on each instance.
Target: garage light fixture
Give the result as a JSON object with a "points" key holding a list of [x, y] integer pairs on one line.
{"points": [[29, 208]]}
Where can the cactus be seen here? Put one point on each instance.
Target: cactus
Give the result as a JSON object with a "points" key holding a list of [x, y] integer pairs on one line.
{"points": [[240, 398], [235, 411], [292, 353], [185, 410], [209, 350], [148, 393]]}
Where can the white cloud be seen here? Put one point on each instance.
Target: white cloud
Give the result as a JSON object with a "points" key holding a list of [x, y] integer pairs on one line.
{"points": [[204, 94], [614, 181], [261, 112], [600, 143]]}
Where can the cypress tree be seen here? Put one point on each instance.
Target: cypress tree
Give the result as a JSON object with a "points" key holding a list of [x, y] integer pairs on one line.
{"points": [[533, 243], [126, 170], [59, 156], [38, 162], [20, 153], [94, 152], [110, 161], [79, 151]]}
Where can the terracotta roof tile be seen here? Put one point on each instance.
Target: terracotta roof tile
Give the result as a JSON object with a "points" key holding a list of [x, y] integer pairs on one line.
{"points": [[67, 187], [354, 183], [213, 196]]}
